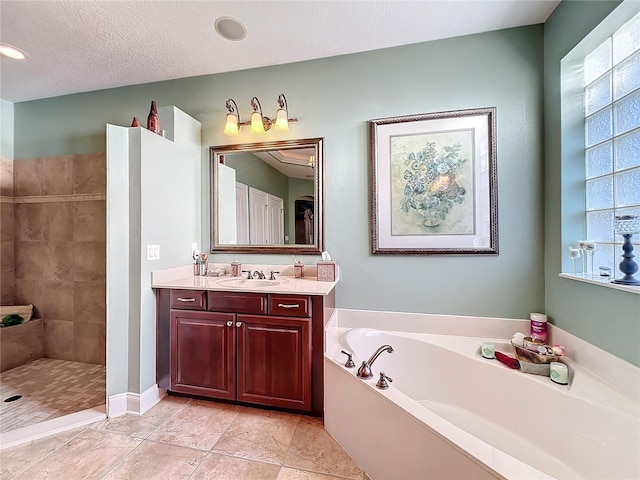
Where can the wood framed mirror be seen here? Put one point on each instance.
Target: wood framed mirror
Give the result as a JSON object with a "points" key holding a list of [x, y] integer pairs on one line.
{"points": [[267, 197]]}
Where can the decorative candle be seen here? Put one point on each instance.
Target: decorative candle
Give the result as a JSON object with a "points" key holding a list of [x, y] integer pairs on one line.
{"points": [[488, 350]]}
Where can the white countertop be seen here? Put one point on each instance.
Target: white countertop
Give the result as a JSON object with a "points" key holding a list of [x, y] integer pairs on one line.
{"points": [[183, 278]]}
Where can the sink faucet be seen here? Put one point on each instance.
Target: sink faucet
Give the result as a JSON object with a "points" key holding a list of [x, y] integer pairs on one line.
{"points": [[258, 275], [365, 369]]}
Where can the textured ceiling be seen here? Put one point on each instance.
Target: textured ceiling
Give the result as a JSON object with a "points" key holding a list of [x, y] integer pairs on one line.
{"points": [[77, 46]]}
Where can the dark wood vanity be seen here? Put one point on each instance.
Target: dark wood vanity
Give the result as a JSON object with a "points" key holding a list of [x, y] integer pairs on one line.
{"points": [[254, 348]]}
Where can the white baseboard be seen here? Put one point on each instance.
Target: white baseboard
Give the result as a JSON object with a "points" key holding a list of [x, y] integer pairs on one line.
{"points": [[134, 403], [51, 427]]}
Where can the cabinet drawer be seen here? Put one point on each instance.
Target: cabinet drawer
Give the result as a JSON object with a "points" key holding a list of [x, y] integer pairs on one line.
{"points": [[290, 305], [188, 299], [237, 302]]}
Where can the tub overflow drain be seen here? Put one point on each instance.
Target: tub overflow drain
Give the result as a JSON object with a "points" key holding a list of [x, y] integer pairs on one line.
{"points": [[13, 398]]}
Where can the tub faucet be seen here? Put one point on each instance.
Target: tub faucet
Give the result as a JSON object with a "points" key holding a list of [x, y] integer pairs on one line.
{"points": [[365, 369]]}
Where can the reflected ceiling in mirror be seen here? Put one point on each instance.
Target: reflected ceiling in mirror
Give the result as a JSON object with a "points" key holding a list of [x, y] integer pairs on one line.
{"points": [[267, 197]]}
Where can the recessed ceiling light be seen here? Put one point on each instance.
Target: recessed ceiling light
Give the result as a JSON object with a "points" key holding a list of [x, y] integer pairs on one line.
{"points": [[230, 28], [10, 51]]}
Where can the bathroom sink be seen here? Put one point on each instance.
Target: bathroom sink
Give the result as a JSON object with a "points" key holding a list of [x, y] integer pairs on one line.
{"points": [[248, 283]]}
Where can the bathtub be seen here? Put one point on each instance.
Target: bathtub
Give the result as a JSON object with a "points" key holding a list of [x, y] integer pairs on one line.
{"points": [[449, 413]]}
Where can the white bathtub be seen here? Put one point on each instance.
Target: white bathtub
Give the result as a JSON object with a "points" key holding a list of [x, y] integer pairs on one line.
{"points": [[452, 414]]}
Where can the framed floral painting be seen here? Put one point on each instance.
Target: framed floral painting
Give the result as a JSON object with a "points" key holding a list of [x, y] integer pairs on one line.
{"points": [[434, 183]]}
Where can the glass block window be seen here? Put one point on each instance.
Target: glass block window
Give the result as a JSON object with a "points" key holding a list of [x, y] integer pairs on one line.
{"points": [[612, 138]]}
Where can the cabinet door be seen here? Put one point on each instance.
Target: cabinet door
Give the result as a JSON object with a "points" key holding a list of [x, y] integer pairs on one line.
{"points": [[203, 351], [274, 361]]}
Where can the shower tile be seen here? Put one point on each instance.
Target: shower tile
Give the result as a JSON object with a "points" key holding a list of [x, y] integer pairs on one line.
{"points": [[57, 175], [57, 221], [29, 292], [28, 260], [89, 261], [6, 221], [89, 343], [90, 173], [6, 177], [27, 177], [57, 300], [58, 339], [90, 221], [6, 253], [28, 221], [57, 261], [90, 302], [7, 288]]}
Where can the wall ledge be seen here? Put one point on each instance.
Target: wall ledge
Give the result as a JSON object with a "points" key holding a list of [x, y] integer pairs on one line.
{"points": [[600, 282]]}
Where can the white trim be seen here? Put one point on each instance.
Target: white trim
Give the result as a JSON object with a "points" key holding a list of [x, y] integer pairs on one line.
{"points": [[134, 403], [601, 282], [51, 427]]}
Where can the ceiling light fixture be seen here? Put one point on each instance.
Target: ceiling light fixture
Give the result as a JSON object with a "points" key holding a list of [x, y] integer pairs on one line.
{"points": [[259, 123], [230, 28], [12, 52]]}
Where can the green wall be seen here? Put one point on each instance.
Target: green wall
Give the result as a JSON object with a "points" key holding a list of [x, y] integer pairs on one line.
{"points": [[6, 130], [334, 98], [605, 317]]}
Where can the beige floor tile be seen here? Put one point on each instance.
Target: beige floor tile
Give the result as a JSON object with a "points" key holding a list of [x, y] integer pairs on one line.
{"points": [[294, 474], [153, 460], [17, 459], [313, 449], [223, 467], [143, 426], [198, 426], [259, 435], [89, 455]]}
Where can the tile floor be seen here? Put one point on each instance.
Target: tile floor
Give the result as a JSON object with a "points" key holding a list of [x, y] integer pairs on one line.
{"points": [[181, 438], [50, 389]]}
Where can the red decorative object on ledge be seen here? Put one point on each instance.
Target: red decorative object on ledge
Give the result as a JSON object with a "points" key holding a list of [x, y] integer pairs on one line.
{"points": [[135, 122], [153, 120]]}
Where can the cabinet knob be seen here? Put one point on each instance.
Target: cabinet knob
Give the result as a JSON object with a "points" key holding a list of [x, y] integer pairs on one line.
{"points": [[230, 323], [238, 324]]}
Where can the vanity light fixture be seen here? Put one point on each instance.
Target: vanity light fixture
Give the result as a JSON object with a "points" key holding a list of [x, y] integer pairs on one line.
{"points": [[259, 124], [232, 127]]}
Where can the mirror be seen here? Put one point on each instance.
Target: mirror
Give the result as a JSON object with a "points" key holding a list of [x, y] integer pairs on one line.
{"points": [[267, 197]]}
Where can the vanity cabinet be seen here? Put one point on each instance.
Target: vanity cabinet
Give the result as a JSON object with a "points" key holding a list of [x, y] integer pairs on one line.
{"points": [[263, 349]]}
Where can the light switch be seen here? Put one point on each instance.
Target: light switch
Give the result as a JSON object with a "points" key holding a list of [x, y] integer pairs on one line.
{"points": [[153, 252]]}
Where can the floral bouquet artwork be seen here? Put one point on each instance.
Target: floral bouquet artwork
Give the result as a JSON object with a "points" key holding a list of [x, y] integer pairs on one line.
{"points": [[431, 183]]}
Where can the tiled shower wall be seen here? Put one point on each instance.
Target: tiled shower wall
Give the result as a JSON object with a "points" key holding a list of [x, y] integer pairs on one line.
{"points": [[59, 254], [6, 232]]}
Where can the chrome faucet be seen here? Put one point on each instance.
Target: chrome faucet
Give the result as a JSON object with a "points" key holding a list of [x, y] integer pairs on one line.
{"points": [[365, 369], [259, 275]]}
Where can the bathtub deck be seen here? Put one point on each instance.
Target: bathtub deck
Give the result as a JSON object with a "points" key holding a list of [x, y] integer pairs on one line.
{"points": [[50, 389]]}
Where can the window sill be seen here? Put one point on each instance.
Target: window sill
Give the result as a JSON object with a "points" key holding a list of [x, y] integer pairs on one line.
{"points": [[601, 282]]}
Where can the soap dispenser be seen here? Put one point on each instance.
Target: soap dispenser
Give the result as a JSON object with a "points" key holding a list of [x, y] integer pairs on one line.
{"points": [[236, 268]]}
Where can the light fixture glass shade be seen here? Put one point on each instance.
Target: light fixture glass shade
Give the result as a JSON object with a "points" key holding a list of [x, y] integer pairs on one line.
{"points": [[627, 224], [257, 127], [282, 123], [231, 128]]}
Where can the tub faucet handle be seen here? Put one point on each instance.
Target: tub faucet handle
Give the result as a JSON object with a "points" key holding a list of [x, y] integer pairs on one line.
{"points": [[382, 383], [349, 363]]}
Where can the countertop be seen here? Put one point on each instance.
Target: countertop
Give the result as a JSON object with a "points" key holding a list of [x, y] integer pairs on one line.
{"points": [[183, 278]]}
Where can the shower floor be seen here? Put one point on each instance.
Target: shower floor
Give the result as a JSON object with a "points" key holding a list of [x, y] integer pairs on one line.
{"points": [[50, 388]]}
